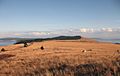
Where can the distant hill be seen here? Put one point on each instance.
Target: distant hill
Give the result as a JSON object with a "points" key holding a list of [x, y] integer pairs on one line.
{"points": [[44, 39]]}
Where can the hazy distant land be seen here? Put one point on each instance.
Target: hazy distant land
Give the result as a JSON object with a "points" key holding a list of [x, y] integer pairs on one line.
{"points": [[9, 41]]}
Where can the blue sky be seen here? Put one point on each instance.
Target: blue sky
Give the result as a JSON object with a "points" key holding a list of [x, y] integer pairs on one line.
{"points": [[53, 15]]}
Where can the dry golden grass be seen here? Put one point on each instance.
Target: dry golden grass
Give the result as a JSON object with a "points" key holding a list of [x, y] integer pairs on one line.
{"points": [[61, 58]]}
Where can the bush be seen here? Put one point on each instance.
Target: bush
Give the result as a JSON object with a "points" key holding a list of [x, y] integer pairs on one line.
{"points": [[3, 49]]}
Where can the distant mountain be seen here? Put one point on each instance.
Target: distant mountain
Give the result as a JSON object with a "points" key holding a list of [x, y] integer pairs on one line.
{"points": [[66, 38], [43, 39]]}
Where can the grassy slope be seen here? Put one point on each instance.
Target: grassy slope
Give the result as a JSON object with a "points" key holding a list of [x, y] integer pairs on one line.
{"points": [[61, 58], [44, 39]]}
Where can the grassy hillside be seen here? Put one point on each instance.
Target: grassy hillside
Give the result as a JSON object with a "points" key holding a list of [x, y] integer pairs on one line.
{"points": [[61, 58], [43, 39]]}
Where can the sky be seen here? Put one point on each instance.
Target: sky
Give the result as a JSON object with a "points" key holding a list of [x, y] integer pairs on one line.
{"points": [[44, 18]]}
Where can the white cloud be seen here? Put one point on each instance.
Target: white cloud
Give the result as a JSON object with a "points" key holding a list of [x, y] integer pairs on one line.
{"points": [[107, 29], [39, 33], [91, 30], [87, 32]]}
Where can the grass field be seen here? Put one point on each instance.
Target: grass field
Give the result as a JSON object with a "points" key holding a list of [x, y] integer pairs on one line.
{"points": [[61, 58]]}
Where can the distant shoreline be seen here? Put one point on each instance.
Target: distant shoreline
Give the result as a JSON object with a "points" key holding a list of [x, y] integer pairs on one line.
{"points": [[114, 41], [10, 41]]}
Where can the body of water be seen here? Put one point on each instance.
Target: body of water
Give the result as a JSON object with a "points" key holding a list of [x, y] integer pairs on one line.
{"points": [[6, 42], [108, 40]]}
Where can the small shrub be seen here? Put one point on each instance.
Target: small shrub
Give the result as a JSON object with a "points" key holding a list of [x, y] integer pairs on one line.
{"points": [[25, 44], [42, 48], [3, 49], [83, 51], [118, 51]]}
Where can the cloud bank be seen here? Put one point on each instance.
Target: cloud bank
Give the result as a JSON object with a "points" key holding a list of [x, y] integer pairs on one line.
{"points": [[86, 32]]}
